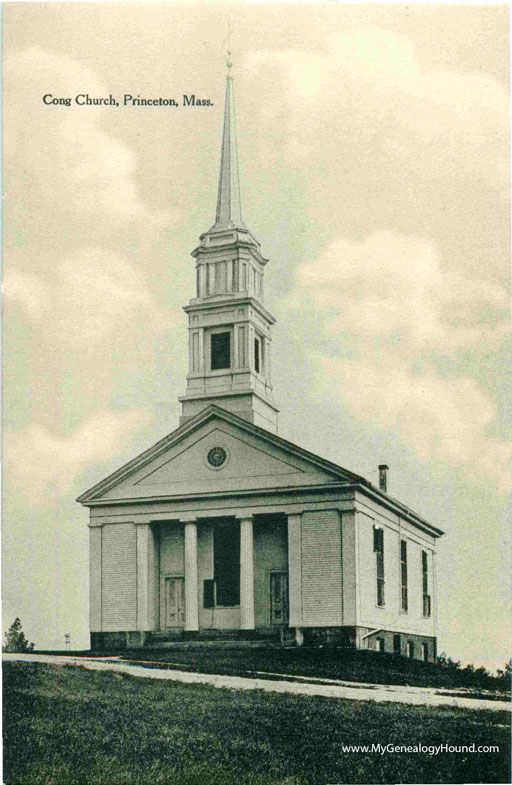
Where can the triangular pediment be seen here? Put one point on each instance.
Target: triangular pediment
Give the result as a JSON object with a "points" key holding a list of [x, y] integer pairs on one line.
{"points": [[249, 459]]}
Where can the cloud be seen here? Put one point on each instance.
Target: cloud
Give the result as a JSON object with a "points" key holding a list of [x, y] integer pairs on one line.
{"points": [[43, 465], [81, 167], [393, 288], [86, 296], [368, 84], [385, 310], [438, 418]]}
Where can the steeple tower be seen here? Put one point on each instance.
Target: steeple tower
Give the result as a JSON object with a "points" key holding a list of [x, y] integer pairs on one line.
{"points": [[229, 327]]}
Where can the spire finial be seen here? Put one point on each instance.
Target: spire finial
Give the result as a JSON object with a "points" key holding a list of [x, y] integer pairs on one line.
{"points": [[229, 64]]}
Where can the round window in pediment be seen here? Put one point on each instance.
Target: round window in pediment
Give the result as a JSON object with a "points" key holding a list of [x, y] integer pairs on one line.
{"points": [[217, 457]]}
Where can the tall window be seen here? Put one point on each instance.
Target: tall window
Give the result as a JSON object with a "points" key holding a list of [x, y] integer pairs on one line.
{"points": [[257, 355], [378, 547], [426, 595], [226, 562], [220, 348], [403, 574]]}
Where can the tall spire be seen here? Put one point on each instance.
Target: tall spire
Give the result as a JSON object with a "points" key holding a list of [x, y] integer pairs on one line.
{"points": [[229, 208]]}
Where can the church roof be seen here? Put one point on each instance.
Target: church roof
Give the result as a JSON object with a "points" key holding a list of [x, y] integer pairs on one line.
{"points": [[338, 475]]}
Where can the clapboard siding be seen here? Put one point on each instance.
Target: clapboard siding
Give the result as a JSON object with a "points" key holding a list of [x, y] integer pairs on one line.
{"points": [[321, 569], [119, 577]]}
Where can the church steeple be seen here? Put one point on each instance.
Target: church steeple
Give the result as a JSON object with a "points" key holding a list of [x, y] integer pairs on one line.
{"points": [[229, 327], [229, 207]]}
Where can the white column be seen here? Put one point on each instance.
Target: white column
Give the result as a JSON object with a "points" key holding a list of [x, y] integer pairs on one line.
{"points": [[203, 274], [294, 570], [201, 350], [246, 574], [190, 351], [350, 583], [236, 362], [191, 593], [95, 578], [229, 276], [269, 360], [143, 577], [153, 569]]}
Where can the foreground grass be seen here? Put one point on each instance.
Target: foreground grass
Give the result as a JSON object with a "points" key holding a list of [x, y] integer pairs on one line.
{"points": [[67, 726]]}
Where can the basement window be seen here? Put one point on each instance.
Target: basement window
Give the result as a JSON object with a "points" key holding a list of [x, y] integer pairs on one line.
{"points": [[410, 649], [380, 644], [220, 349]]}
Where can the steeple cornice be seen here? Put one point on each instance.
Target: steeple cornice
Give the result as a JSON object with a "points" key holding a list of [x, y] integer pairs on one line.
{"points": [[229, 241]]}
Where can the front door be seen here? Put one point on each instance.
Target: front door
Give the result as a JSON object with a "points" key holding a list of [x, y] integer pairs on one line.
{"points": [[174, 602], [278, 598]]}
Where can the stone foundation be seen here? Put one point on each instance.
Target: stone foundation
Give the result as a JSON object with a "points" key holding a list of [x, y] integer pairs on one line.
{"points": [[345, 637], [371, 642], [117, 641]]}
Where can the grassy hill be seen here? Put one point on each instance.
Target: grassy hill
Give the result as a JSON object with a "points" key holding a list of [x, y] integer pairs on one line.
{"points": [[328, 662], [67, 726]]}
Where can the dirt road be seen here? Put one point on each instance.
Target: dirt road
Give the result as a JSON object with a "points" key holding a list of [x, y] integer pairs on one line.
{"points": [[326, 688]]}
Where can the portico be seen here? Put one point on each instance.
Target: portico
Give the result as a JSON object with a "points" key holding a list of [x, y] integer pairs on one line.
{"points": [[206, 592]]}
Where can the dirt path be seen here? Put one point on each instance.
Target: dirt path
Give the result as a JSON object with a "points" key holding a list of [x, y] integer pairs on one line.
{"points": [[423, 696]]}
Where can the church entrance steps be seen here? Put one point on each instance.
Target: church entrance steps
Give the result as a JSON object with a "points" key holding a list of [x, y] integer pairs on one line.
{"points": [[234, 638], [199, 644]]}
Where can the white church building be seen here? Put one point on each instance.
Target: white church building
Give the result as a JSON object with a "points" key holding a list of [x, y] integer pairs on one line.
{"points": [[225, 529]]}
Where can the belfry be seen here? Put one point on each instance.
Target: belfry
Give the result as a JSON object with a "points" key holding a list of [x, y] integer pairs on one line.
{"points": [[223, 529], [229, 327]]}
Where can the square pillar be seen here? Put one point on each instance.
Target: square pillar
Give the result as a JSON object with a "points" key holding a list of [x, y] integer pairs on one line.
{"points": [[246, 574], [143, 570], [350, 583], [95, 578], [191, 593], [295, 569]]}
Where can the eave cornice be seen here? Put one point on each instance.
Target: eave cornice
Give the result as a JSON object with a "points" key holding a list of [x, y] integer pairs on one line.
{"points": [[203, 304], [230, 247]]}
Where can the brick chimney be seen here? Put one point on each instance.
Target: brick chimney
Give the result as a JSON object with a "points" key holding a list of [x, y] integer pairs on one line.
{"points": [[383, 477]]}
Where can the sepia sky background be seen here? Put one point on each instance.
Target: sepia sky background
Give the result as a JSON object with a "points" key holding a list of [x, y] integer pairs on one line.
{"points": [[374, 160]]}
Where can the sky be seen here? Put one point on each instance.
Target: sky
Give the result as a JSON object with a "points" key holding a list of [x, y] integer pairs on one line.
{"points": [[374, 157]]}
